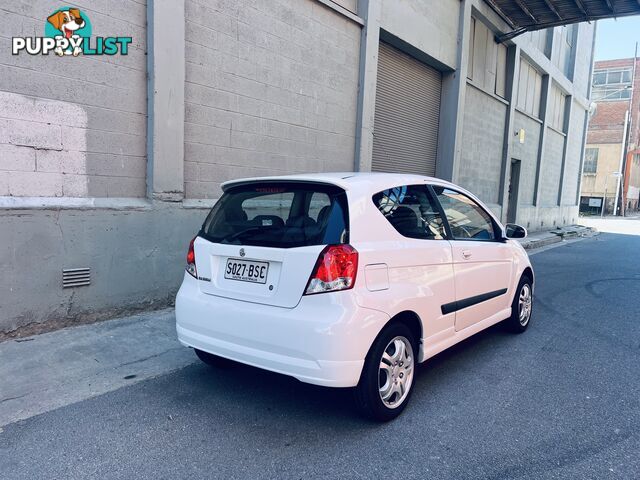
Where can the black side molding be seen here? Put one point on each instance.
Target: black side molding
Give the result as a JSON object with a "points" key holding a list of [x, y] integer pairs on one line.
{"points": [[469, 302]]}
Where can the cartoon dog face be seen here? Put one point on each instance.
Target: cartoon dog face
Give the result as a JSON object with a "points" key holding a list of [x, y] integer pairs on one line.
{"points": [[67, 21]]}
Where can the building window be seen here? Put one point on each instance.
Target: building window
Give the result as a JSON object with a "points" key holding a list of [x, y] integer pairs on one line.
{"points": [[529, 89], [501, 71], [568, 35], [541, 39], [612, 76], [487, 62], [607, 94], [563, 54], [590, 160], [599, 78], [557, 104], [612, 84]]}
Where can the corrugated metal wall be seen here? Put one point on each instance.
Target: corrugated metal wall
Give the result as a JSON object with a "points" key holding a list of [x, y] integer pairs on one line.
{"points": [[405, 136]]}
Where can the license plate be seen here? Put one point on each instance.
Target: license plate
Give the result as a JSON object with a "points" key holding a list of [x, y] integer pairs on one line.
{"points": [[246, 270]]}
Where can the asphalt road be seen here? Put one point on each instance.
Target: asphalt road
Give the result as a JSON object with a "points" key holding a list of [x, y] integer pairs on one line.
{"points": [[560, 401]]}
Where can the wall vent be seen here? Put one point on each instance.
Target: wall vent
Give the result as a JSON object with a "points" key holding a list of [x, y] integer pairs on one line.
{"points": [[76, 277]]}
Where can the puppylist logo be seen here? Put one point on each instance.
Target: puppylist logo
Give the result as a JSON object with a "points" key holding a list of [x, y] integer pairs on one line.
{"points": [[67, 31]]}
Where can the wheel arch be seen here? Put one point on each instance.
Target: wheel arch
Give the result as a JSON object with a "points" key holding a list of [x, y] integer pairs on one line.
{"points": [[527, 272], [412, 321]]}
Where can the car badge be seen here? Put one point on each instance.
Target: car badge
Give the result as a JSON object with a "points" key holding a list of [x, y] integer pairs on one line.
{"points": [[242, 252]]}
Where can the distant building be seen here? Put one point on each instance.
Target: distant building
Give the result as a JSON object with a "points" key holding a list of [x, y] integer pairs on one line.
{"points": [[615, 95]]}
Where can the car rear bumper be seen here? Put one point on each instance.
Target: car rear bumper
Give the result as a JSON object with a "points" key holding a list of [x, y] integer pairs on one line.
{"points": [[323, 340]]}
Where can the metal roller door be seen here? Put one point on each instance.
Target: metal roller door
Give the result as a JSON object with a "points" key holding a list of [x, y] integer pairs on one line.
{"points": [[405, 136]]}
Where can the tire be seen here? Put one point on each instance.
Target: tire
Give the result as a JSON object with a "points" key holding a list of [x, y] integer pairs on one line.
{"points": [[398, 374], [521, 307], [213, 360]]}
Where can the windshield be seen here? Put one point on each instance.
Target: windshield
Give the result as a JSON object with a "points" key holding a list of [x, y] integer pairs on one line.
{"points": [[279, 214]]}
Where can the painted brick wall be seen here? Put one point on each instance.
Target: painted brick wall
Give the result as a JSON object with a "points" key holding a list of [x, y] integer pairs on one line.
{"points": [[73, 127], [551, 167], [271, 88], [527, 153], [608, 162], [607, 125], [482, 148]]}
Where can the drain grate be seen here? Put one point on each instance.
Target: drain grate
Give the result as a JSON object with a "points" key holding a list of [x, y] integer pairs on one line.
{"points": [[76, 277]]}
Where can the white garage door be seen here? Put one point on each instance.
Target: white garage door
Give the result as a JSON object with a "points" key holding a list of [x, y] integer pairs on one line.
{"points": [[405, 136]]}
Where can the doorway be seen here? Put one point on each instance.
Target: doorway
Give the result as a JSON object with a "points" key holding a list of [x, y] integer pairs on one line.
{"points": [[514, 182]]}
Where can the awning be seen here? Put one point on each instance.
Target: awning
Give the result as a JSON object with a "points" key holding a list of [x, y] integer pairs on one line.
{"points": [[527, 15]]}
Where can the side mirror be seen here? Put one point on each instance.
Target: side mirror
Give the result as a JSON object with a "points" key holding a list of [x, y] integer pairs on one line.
{"points": [[515, 231]]}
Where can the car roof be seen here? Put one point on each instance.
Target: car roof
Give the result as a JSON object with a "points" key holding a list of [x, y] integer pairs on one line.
{"points": [[347, 180]]}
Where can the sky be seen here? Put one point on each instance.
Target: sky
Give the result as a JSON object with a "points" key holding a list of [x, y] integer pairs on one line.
{"points": [[617, 38]]}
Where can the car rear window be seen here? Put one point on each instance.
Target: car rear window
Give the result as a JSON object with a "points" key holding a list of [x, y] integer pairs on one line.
{"points": [[282, 215]]}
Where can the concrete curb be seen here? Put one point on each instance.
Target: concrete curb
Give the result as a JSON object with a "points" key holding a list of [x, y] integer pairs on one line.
{"points": [[543, 239], [540, 242]]}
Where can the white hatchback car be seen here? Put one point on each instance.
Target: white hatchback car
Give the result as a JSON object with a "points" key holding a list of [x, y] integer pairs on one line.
{"points": [[349, 279]]}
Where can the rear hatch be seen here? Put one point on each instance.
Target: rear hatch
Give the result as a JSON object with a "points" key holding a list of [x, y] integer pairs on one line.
{"points": [[261, 240]]}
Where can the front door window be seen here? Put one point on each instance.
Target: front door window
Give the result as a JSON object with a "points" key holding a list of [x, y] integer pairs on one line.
{"points": [[468, 221]]}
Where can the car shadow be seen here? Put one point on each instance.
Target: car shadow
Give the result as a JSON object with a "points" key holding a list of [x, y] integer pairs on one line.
{"points": [[251, 395]]}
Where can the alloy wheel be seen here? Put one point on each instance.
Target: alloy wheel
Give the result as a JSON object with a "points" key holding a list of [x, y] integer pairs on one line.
{"points": [[524, 304], [395, 375]]}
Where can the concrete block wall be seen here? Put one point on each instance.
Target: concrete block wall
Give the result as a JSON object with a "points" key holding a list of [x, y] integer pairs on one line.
{"points": [[545, 218], [551, 168], [573, 160], [73, 127], [527, 153], [482, 147], [271, 88]]}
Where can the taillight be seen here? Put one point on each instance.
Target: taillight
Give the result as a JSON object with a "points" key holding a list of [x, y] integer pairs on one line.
{"points": [[191, 260], [335, 269]]}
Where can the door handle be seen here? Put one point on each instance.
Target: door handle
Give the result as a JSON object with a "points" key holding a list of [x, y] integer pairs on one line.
{"points": [[467, 253]]}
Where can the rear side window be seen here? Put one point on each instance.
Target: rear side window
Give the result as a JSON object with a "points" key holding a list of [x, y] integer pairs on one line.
{"points": [[412, 211], [282, 215]]}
